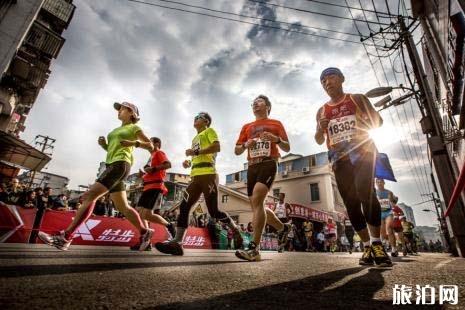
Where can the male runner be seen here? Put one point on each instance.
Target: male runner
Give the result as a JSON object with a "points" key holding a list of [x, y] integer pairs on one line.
{"points": [[398, 215], [154, 188], [343, 122], [205, 146], [386, 200], [282, 210], [261, 138]]}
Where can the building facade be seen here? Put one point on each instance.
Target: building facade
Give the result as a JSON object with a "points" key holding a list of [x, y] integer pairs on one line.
{"points": [[408, 211], [30, 38], [58, 183]]}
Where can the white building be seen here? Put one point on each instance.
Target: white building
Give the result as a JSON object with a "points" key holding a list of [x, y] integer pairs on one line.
{"points": [[408, 211], [45, 179]]}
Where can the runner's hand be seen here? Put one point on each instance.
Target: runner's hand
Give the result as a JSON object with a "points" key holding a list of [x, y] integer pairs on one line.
{"points": [[102, 141], [323, 123], [267, 136], [127, 143], [141, 173], [250, 143], [190, 152], [186, 164], [149, 169]]}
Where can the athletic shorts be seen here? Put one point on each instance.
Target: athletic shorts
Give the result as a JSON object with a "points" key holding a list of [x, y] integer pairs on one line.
{"points": [[385, 214], [114, 175], [150, 199], [263, 172]]}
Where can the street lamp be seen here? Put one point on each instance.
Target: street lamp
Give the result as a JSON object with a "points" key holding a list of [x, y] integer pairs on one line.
{"points": [[387, 102]]}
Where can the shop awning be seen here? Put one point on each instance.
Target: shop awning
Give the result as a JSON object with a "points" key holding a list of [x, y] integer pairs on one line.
{"points": [[17, 152]]}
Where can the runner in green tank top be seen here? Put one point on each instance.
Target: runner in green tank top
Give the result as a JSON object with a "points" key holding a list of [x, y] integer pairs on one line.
{"points": [[204, 148]]}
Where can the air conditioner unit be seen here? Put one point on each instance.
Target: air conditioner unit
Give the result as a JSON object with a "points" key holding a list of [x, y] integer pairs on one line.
{"points": [[306, 170]]}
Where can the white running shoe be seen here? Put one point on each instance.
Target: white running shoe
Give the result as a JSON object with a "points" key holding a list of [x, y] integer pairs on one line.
{"points": [[252, 254], [58, 240], [146, 239]]}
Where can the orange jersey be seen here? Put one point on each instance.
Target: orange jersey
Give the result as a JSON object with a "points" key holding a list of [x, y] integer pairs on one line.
{"points": [[155, 179], [262, 148]]}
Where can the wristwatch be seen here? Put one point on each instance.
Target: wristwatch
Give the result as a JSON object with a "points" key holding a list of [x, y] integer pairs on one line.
{"points": [[196, 152], [137, 143]]}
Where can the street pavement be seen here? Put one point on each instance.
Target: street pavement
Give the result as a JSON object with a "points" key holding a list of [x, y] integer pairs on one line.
{"points": [[40, 277]]}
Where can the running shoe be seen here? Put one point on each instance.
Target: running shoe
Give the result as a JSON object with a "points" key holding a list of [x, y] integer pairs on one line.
{"points": [[238, 241], [282, 237], [145, 239], [136, 247], [395, 254], [170, 247], [251, 255], [379, 255], [367, 257], [58, 240]]}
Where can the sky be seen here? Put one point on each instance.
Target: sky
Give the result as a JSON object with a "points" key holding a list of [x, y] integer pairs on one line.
{"points": [[173, 64]]}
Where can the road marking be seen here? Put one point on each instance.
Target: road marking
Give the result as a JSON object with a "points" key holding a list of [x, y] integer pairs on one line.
{"points": [[346, 279], [441, 264]]}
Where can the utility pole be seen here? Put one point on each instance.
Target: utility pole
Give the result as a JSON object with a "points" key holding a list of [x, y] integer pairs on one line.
{"points": [[432, 126], [47, 144]]}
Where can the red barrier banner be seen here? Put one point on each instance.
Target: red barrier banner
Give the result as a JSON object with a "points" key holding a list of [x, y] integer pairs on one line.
{"points": [[16, 223], [100, 230]]}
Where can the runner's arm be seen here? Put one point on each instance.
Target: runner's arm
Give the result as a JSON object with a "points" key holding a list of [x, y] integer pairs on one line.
{"points": [[213, 148], [144, 141], [320, 134], [374, 118]]}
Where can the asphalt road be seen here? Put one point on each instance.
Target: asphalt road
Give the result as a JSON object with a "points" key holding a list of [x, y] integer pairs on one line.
{"points": [[40, 277]]}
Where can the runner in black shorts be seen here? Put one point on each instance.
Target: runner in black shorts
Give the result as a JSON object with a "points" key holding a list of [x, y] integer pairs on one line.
{"points": [[343, 123], [205, 146], [154, 189], [120, 146], [261, 139]]}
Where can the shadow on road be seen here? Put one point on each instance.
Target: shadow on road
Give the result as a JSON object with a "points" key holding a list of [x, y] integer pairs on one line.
{"points": [[307, 293], [56, 269]]}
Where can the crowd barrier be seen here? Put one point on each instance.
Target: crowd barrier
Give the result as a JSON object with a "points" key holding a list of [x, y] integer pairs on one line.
{"points": [[16, 225]]}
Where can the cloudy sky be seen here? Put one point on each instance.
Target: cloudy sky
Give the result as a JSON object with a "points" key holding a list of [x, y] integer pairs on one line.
{"points": [[174, 64]]}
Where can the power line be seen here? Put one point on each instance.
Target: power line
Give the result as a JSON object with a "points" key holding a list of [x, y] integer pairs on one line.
{"points": [[424, 180], [246, 22], [385, 75], [255, 17], [314, 12], [347, 7]]}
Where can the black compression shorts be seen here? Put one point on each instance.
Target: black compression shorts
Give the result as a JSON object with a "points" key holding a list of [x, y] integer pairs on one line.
{"points": [[263, 172], [150, 199], [114, 175]]}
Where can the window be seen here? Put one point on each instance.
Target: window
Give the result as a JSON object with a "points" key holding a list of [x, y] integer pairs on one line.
{"points": [[314, 192], [224, 198], [312, 161], [276, 192], [237, 176]]}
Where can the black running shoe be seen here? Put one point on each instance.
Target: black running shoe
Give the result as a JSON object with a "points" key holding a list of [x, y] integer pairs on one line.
{"points": [[395, 254], [170, 247], [379, 255], [367, 257]]}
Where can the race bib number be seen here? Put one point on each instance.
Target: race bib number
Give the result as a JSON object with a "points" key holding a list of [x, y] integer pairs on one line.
{"points": [[342, 129], [261, 149], [385, 204]]}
